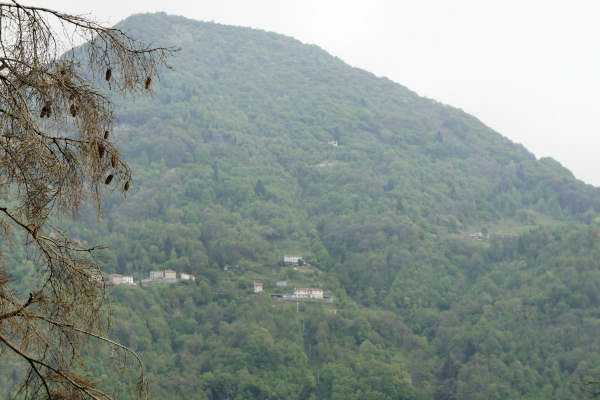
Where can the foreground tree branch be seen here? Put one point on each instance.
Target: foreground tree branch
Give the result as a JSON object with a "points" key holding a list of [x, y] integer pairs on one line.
{"points": [[56, 151]]}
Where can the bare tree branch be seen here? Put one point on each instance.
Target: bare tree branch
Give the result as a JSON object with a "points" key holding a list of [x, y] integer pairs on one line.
{"points": [[56, 152]]}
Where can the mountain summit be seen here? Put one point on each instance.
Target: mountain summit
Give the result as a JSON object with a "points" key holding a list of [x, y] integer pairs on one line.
{"points": [[248, 105]]}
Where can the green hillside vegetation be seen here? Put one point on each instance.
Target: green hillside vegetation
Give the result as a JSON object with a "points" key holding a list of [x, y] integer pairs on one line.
{"points": [[233, 166]]}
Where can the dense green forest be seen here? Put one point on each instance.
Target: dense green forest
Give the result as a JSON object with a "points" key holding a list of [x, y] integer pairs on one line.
{"points": [[235, 164]]}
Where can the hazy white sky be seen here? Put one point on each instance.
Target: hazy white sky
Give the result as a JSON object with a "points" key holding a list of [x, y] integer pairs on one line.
{"points": [[528, 69]]}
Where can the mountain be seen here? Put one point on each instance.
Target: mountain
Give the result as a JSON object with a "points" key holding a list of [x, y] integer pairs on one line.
{"points": [[461, 266]]}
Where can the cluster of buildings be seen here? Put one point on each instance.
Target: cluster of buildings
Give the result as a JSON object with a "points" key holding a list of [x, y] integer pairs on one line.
{"points": [[299, 294], [156, 277]]}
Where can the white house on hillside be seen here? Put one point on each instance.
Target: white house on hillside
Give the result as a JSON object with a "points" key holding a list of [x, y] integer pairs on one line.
{"points": [[155, 275], [117, 279], [308, 293], [170, 274], [167, 274], [187, 277], [292, 259]]}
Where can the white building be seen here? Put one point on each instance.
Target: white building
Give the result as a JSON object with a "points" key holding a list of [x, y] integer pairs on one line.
{"points": [[167, 274], [308, 293], [258, 287], [156, 275], [187, 277], [292, 259], [170, 274], [116, 279], [333, 143], [127, 280]]}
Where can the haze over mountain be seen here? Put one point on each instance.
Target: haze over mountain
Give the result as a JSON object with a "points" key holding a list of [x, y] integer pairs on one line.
{"points": [[256, 146]]}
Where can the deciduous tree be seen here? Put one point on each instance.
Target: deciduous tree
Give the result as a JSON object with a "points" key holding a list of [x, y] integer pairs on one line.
{"points": [[57, 151]]}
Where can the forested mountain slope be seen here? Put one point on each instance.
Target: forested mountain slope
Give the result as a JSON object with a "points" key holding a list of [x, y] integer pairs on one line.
{"points": [[235, 164], [233, 161]]}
